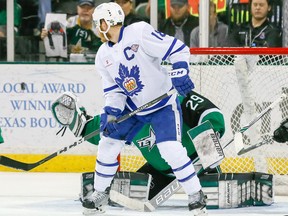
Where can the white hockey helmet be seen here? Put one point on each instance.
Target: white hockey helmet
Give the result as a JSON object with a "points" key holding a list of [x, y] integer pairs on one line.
{"points": [[111, 12]]}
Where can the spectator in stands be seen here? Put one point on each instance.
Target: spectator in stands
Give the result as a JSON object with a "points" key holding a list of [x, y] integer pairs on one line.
{"points": [[181, 22], [130, 15], [259, 32], [30, 19], [44, 7], [218, 31], [81, 31], [160, 12], [3, 17]]}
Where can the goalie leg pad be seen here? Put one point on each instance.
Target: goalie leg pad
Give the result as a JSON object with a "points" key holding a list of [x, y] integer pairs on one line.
{"points": [[235, 190], [132, 184], [87, 188]]}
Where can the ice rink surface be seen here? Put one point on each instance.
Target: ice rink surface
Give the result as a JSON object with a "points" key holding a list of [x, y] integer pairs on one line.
{"points": [[56, 194]]}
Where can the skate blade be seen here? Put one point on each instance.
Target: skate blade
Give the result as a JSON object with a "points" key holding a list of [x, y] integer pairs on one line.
{"points": [[95, 211], [200, 212]]}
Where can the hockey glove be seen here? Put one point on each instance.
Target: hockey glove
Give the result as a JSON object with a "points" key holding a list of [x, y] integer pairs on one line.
{"points": [[68, 113], [107, 122], [281, 134], [183, 84]]}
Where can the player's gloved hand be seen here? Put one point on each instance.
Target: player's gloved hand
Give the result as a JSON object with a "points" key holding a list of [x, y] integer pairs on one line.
{"points": [[107, 124], [281, 133], [182, 84]]}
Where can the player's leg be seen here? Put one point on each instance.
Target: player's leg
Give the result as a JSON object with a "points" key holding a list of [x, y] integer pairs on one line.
{"points": [[168, 139], [107, 164], [106, 167]]}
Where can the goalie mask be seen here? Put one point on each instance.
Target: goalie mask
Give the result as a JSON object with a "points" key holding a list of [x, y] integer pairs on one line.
{"points": [[111, 13]]}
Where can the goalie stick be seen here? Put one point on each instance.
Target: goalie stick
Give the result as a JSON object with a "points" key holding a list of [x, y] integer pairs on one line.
{"points": [[9, 162], [280, 135], [257, 145], [157, 200], [238, 135], [147, 206]]}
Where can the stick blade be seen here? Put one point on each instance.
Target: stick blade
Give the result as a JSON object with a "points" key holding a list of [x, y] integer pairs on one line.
{"points": [[125, 201], [238, 142], [9, 162]]}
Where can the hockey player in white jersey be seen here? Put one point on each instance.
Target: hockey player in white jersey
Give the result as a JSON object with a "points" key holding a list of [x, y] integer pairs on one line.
{"points": [[129, 62]]}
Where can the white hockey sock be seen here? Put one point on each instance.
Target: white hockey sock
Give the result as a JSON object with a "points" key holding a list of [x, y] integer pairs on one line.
{"points": [[176, 156], [106, 163]]}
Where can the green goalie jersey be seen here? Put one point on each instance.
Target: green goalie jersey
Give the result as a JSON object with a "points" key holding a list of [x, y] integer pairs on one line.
{"points": [[196, 109], [1, 138]]}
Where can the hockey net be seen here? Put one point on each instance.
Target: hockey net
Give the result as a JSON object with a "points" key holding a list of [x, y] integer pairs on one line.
{"points": [[241, 82]]}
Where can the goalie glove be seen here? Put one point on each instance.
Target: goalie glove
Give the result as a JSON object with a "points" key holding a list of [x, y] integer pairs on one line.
{"points": [[67, 113], [181, 81], [281, 133]]}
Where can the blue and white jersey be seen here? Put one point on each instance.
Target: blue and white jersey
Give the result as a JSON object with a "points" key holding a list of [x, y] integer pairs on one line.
{"points": [[131, 69]]}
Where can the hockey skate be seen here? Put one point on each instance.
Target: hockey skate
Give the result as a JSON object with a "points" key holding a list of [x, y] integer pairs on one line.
{"points": [[197, 204], [96, 202]]}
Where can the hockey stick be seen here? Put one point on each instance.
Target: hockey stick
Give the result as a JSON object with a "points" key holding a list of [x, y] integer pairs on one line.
{"points": [[9, 162], [252, 147], [147, 206], [238, 135], [157, 200]]}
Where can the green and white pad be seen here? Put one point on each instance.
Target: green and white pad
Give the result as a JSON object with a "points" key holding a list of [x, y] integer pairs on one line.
{"points": [[235, 190], [66, 111], [131, 184], [207, 145], [87, 185]]}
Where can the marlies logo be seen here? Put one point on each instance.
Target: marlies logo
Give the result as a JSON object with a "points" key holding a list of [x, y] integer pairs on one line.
{"points": [[130, 84], [129, 81]]}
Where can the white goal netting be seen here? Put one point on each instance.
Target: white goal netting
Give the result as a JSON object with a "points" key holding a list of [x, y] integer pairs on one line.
{"points": [[241, 82]]}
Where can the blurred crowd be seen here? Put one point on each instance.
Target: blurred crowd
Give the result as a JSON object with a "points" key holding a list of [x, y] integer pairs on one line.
{"points": [[239, 23]]}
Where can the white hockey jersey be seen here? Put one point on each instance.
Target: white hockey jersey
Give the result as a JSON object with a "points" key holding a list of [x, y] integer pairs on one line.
{"points": [[131, 69]]}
